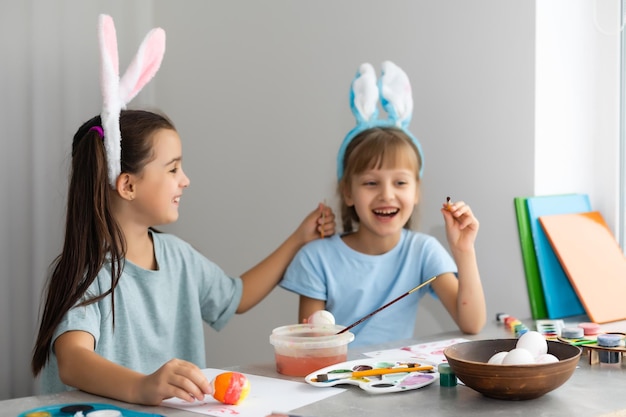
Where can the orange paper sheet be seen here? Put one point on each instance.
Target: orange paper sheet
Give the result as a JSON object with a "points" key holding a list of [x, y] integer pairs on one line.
{"points": [[592, 260]]}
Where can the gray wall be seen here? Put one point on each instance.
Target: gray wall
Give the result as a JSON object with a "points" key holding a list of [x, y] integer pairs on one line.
{"points": [[259, 93]]}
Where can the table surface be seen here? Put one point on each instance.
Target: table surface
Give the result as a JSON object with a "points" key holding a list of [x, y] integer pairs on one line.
{"points": [[593, 390]]}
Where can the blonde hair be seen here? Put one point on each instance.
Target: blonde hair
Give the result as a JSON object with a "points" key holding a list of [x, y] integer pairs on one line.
{"points": [[373, 149]]}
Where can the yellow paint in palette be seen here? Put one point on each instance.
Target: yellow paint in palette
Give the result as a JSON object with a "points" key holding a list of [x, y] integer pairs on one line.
{"points": [[343, 373]]}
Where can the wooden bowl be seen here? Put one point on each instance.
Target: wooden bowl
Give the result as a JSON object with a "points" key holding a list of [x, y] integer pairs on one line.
{"points": [[468, 360]]}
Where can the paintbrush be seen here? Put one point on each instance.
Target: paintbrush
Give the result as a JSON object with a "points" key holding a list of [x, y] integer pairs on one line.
{"points": [[387, 305], [340, 374]]}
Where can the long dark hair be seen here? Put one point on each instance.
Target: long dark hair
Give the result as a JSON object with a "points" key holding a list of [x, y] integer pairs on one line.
{"points": [[92, 236], [371, 149]]}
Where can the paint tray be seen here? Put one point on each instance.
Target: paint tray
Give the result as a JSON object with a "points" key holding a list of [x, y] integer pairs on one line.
{"points": [[70, 410], [380, 384]]}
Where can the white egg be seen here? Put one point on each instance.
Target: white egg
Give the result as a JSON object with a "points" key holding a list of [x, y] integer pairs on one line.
{"points": [[518, 356], [534, 342], [497, 358], [546, 358], [321, 317]]}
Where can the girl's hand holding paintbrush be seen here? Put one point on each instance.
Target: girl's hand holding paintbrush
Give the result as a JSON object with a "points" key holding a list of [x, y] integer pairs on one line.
{"points": [[463, 297], [325, 221], [461, 225], [318, 224]]}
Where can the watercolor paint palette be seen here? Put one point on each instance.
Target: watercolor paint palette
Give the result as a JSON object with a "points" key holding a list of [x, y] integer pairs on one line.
{"points": [[550, 329], [377, 384], [96, 409]]}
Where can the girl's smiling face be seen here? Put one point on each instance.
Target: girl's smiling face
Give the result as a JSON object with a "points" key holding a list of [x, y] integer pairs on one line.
{"points": [[160, 184], [384, 199], [379, 188]]}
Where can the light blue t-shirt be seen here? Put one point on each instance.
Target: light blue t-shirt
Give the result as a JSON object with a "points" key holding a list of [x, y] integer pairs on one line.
{"points": [[354, 284], [158, 314]]}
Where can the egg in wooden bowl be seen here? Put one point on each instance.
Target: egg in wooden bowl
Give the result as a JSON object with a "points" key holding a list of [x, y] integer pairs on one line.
{"points": [[468, 361]]}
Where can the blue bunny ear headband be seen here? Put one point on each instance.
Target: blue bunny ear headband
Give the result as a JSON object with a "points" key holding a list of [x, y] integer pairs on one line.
{"points": [[394, 90]]}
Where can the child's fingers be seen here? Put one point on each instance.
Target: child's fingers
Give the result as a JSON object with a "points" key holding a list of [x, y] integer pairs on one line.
{"points": [[457, 209], [461, 213], [466, 219], [189, 382], [325, 221], [188, 377]]}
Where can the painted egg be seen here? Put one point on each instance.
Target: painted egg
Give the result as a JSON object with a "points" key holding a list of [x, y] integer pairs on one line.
{"points": [[230, 387], [518, 356], [546, 358], [497, 358], [321, 317], [534, 342]]}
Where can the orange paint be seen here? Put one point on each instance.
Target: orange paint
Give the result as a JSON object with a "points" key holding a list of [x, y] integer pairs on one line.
{"points": [[302, 366]]}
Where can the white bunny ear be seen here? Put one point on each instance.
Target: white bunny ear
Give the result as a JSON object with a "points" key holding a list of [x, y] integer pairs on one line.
{"points": [[111, 103], [144, 66], [364, 94], [116, 93], [107, 38], [396, 95]]}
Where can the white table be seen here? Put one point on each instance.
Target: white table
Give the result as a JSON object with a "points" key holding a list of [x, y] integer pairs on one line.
{"points": [[592, 390]]}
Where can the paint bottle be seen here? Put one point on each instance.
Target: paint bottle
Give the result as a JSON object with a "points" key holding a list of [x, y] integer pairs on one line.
{"points": [[500, 317], [590, 329], [609, 357], [447, 377], [572, 333]]}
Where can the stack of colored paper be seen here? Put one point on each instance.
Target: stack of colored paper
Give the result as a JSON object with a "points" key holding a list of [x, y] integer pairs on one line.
{"points": [[572, 262]]}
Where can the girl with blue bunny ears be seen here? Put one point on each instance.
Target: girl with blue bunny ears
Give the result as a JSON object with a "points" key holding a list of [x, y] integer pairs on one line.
{"points": [[125, 305], [379, 168]]}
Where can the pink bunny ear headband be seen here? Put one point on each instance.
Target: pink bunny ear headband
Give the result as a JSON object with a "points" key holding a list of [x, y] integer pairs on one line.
{"points": [[118, 92], [394, 91]]}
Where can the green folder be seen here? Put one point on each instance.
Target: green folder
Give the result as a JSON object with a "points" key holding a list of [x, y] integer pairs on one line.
{"points": [[537, 300]]}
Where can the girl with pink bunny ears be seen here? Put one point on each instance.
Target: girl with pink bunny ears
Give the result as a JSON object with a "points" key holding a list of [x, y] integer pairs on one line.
{"points": [[378, 258], [124, 305]]}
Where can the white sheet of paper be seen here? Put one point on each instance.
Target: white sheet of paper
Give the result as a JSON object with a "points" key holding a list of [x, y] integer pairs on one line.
{"points": [[428, 353], [266, 395]]}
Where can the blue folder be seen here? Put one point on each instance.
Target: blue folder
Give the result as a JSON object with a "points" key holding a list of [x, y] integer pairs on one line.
{"points": [[560, 297]]}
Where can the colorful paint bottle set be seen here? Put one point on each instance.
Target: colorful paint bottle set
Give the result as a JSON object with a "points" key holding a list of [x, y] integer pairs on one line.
{"points": [[513, 324]]}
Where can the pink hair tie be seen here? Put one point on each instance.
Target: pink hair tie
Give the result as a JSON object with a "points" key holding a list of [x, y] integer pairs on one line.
{"points": [[99, 130]]}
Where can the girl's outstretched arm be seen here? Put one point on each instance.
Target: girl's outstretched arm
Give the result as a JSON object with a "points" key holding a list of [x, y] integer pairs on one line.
{"points": [[81, 367], [259, 281], [463, 298]]}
